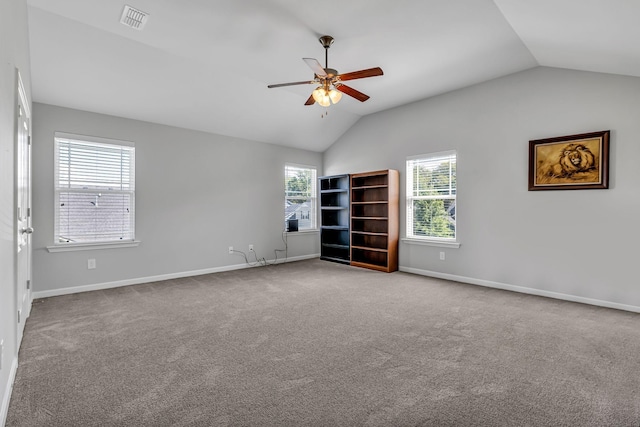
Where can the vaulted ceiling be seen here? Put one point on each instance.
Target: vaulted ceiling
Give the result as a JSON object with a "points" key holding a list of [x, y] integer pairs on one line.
{"points": [[205, 65]]}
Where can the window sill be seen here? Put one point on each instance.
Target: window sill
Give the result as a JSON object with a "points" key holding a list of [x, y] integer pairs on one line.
{"points": [[426, 242], [291, 233], [69, 247]]}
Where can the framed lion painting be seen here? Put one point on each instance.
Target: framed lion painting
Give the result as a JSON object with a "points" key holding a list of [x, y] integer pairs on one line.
{"points": [[570, 162]]}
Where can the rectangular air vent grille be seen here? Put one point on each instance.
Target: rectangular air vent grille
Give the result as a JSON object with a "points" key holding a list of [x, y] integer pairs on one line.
{"points": [[134, 18]]}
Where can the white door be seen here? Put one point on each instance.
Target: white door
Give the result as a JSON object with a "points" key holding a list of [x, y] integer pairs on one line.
{"points": [[23, 214]]}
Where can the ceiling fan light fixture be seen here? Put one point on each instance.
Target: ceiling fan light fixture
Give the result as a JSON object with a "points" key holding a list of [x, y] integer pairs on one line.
{"points": [[321, 96], [326, 97]]}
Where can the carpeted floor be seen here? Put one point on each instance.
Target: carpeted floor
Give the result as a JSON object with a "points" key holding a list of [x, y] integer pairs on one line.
{"points": [[314, 343]]}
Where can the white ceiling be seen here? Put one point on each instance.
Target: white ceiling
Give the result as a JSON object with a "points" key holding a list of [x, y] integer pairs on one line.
{"points": [[205, 64]]}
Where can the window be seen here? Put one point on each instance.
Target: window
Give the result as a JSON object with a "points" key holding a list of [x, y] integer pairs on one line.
{"points": [[431, 196], [300, 196], [94, 190]]}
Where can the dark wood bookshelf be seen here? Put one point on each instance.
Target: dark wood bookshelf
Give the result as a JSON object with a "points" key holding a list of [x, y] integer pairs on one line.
{"points": [[374, 220], [334, 218]]}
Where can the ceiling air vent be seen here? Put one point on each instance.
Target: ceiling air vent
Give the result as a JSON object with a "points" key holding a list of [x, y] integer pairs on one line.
{"points": [[134, 18]]}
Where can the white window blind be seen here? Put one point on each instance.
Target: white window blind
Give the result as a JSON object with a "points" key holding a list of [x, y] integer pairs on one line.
{"points": [[431, 196], [94, 190], [300, 195]]}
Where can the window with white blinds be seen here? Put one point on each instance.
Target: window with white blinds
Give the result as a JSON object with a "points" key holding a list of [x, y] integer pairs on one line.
{"points": [[431, 196], [94, 190], [300, 195]]}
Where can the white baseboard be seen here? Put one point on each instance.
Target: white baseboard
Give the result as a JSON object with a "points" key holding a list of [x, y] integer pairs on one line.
{"points": [[4, 409], [521, 289], [140, 280]]}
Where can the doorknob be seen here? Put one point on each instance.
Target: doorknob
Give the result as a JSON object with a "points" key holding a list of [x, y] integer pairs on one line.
{"points": [[27, 230]]}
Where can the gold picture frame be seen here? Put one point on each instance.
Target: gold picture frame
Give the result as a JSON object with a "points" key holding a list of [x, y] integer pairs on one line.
{"points": [[573, 162]]}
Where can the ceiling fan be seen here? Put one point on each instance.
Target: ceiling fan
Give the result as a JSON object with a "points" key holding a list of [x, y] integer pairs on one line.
{"points": [[330, 87]]}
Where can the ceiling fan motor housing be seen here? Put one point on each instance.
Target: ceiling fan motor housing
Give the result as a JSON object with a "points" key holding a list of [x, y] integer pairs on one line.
{"points": [[331, 72]]}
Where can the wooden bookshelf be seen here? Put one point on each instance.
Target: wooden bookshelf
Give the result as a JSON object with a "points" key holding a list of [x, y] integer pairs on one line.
{"points": [[374, 220], [334, 218]]}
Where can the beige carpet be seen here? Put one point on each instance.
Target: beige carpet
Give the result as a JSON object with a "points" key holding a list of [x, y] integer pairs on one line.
{"points": [[315, 343]]}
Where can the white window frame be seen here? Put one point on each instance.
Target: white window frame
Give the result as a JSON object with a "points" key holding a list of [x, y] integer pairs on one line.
{"points": [[313, 195], [61, 246], [411, 196]]}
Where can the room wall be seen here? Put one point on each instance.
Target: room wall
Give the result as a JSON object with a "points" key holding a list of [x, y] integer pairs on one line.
{"points": [[576, 244], [14, 54], [196, 195]]}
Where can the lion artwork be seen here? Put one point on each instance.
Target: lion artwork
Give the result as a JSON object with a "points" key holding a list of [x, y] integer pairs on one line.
{"points": [[573, 158], [569, 164], [574, 161]]}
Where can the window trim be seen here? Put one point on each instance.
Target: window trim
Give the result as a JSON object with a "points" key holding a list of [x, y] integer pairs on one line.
{"points": [[72, 247], [427, 240], [314, 196], [430, 241], [106, 244]]}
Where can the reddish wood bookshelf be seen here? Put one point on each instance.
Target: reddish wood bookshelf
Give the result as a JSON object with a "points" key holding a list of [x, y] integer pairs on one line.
{"points": [[374, 220]]}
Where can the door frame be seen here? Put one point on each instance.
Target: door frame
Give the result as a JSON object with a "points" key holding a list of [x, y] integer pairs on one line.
{"points": [[22, 278]]}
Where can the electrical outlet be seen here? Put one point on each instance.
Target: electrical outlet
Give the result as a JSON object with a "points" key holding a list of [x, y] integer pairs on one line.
{"points": [[441, 256], [230, 249], [250, 248], [91, 263]]}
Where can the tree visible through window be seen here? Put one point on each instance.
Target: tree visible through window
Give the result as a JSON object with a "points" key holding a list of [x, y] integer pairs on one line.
{"points": [[300, 196], [431, 196], [94, 190]]}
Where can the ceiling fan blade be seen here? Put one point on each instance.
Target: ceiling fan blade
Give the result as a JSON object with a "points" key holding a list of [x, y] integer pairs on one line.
{"points": [[310, 101], [306, 82], [315, 66], [370, 72], [352, 92]]}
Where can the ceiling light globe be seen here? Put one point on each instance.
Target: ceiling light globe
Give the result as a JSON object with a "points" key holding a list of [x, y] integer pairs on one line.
{"points": [[335, 96], [325, 101], [318, 94]]}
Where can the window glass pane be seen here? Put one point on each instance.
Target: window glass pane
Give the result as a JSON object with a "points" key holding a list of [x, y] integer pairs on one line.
{"points": [[433, 177], [81, 165], [94, 217], [300, 196], [298, 182], [434, 218]]}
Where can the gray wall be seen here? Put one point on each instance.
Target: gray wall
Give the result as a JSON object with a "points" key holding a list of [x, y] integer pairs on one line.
{"points": [[578, 243], [14, 53], [196, 195]]}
